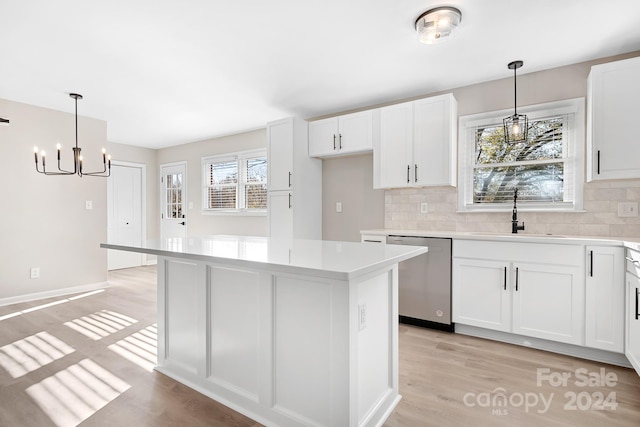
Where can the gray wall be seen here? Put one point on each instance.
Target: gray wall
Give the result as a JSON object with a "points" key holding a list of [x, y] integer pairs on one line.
{"points": [[43, 221], [197, 223], [349, 180]]}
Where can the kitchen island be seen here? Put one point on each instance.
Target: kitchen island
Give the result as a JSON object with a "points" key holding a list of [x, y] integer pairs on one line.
{"points": [[287, 332]]}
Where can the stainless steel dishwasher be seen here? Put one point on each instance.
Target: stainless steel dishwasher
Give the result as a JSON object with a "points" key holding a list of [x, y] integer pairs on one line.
{"points": [[424, 283]]}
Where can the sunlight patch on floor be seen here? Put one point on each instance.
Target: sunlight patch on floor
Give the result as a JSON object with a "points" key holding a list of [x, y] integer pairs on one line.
{"points": [[100, 324], [30, 353], [50, 304], [74, 394], [140, 348]]}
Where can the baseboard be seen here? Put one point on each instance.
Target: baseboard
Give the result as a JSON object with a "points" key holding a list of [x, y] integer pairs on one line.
{"points": [[53, 293], [588, 353]]}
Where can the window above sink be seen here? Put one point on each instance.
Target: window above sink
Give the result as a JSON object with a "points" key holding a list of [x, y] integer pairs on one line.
{"points": [[547, 169]]}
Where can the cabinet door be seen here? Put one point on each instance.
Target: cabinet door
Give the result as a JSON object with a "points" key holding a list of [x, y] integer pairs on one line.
{"points": [[614, 97], [280, 214], [323, 137], [604, 295], [280, 154], [480, 294], [632, 314], [548, 302], [434, 141], [355, 132], [394, 153]]}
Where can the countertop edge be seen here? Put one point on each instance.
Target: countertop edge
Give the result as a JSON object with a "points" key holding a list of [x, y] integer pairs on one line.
{"points": [[275, 267]]}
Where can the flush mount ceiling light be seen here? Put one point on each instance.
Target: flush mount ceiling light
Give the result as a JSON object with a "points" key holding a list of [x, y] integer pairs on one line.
{"points": [[516, 125], [436, 24], [77, 157]]}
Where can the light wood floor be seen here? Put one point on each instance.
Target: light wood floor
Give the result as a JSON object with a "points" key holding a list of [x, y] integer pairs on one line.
{"points": [[86, 361]]}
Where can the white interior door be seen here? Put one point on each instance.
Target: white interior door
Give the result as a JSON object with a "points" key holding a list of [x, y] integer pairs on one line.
{"points": [[173, 195], [125, 213]]}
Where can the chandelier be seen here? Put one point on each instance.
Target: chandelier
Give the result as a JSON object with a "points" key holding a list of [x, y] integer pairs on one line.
{"points": [[77, 156]]}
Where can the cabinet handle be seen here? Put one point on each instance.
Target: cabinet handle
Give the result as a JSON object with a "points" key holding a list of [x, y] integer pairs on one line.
{"points": [[415, 173], [516, 279], [637, 314], [635, 261], [408, 170], [289, 179], [598, 162], [590, 263], [289, 200], [340, 141], [505, 278], [334, 141]]}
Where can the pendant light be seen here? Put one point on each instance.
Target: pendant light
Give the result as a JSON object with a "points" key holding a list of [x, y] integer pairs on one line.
{"points": [[77, 156], [517, 125]]}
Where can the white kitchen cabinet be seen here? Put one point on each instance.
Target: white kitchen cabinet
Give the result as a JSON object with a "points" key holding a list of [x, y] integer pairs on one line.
{"points": [[548, 302], [632, 323], [342, 135], [280, 214], [613, 98], [480, 294], [496, 287], [604, 295], [415, 143], [294, 199]]}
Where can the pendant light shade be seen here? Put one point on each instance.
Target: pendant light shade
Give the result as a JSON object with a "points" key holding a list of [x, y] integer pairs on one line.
{"points": [[435, 25], [516, 126]]}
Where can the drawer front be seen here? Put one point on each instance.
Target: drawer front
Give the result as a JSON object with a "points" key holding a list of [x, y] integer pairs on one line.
{"points": [[520, 252]]}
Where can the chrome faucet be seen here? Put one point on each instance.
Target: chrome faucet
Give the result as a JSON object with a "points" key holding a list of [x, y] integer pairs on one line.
{"points": [[514, 217]]}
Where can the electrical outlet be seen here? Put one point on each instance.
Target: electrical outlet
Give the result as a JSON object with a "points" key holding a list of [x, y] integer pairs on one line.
{"points": [[362, 317], [88, 204], [628, 209], [35, 272], [424, 208], [338, 207]]}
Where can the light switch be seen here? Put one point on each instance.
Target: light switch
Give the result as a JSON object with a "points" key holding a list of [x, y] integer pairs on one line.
{"points": [[338, 206]]}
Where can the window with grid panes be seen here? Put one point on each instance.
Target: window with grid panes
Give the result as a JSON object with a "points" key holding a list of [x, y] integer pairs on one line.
{"points": [[235, 182]]}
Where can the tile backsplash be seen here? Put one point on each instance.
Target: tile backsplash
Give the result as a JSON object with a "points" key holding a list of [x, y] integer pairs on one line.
{"points": [[600, 217]]}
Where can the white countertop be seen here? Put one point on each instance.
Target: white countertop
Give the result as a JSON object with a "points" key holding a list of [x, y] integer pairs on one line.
{"points": [[633, 243], [319, 258]]}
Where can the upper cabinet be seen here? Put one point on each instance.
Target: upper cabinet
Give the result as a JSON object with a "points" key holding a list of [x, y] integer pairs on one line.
{"points": [[342, 135], [613, 100], [415, 143]]}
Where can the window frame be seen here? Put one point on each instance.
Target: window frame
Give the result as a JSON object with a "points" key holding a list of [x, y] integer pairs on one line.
{"points": [[240, 157], [573, 153]]}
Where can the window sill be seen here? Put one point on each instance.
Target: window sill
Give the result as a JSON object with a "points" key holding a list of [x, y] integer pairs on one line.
{"points": [[235, 212]]}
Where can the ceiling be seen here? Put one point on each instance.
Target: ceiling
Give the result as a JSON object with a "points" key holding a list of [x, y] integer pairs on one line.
{"points": [[168, 72]]}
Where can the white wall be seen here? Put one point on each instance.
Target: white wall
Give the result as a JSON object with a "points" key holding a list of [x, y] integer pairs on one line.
{"points": [[43, 221], [197, 223]]}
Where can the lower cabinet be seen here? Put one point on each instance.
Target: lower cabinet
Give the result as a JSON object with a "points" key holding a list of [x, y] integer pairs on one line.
{"points": [[632, 316], [280, 214], [538, 300], [604, 293]]}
